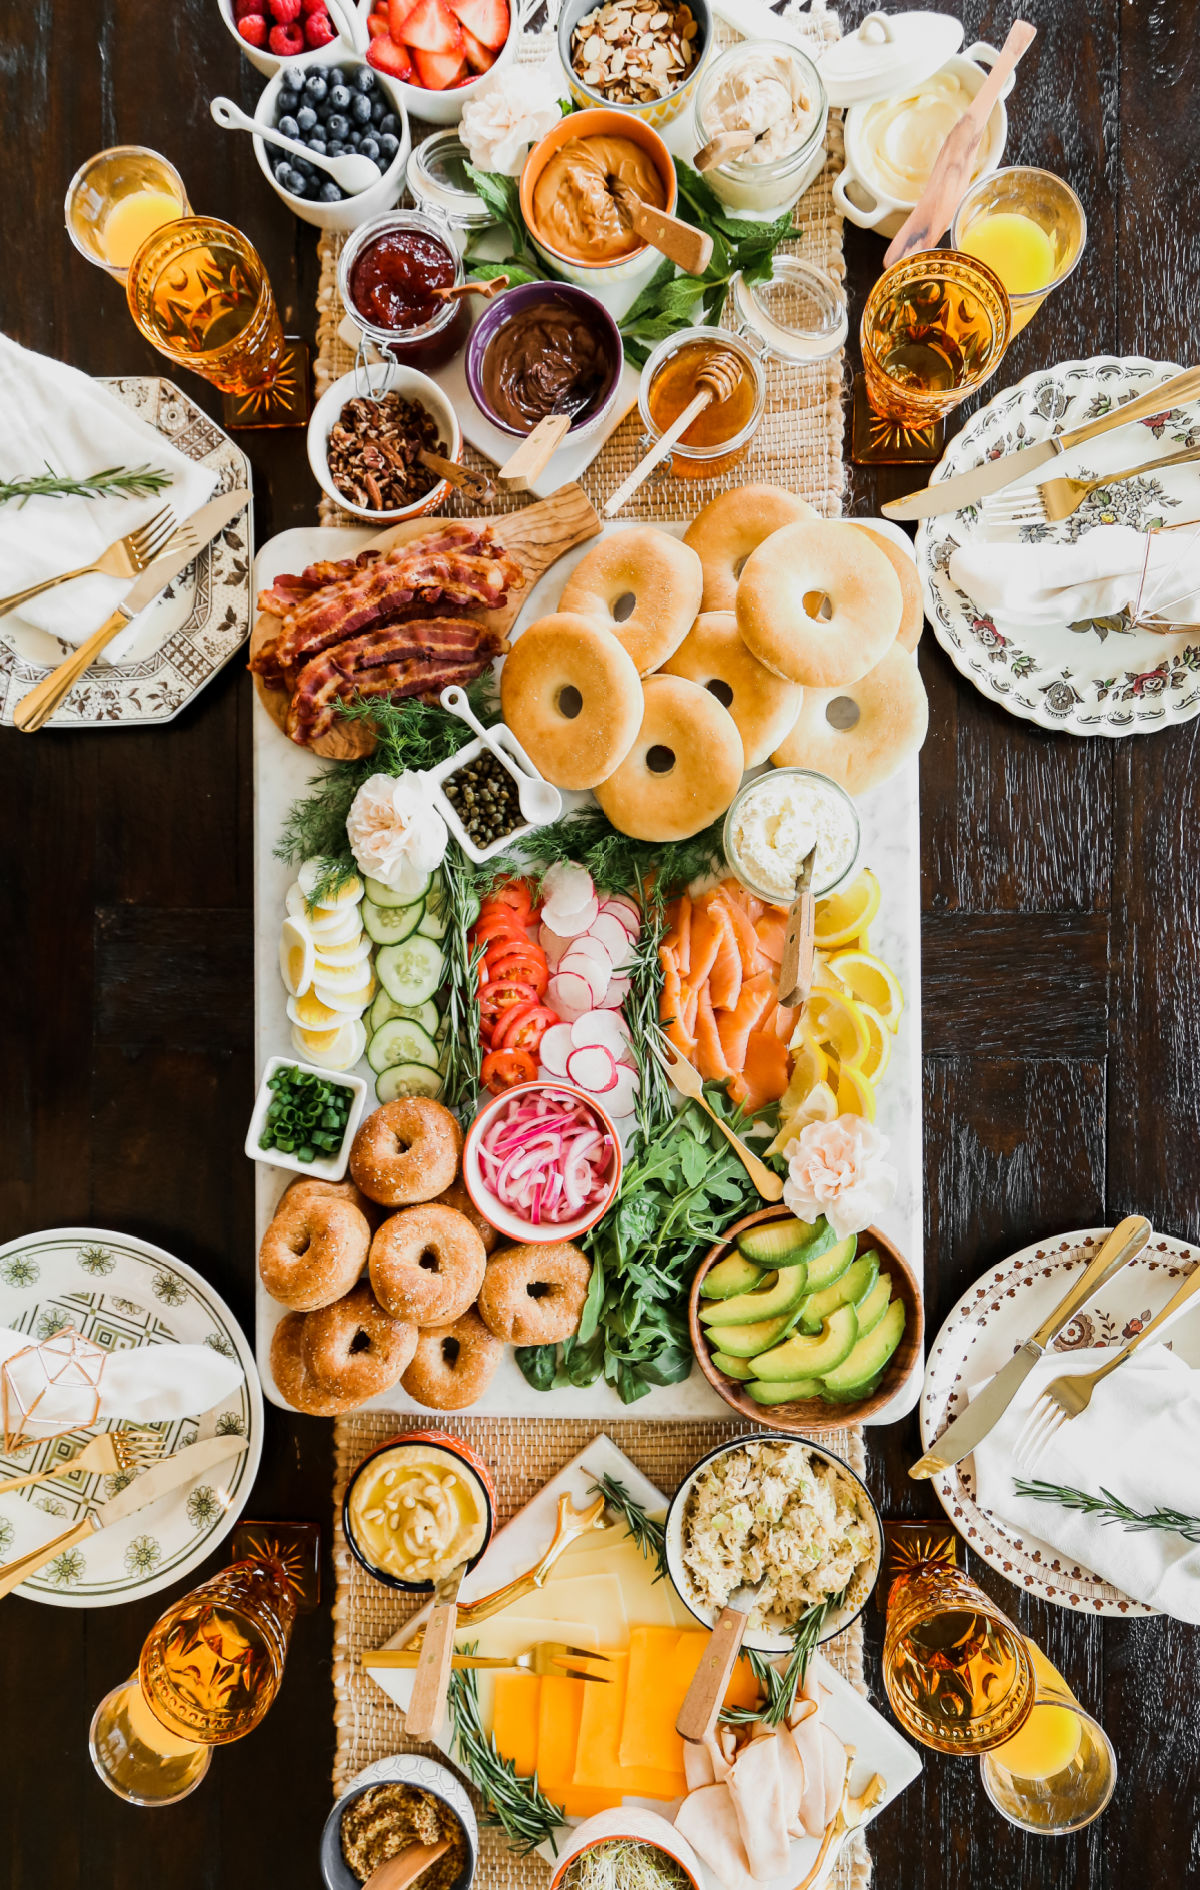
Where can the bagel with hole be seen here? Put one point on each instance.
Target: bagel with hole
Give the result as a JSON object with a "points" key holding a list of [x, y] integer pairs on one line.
{"points": [[819, 603], [453, 1365], [661, 574], [534, 1294], [912, 615], [572, 697], [354, 1348], [733, 525], [763, 705], [427, 1264], [682, 771], [860, 733], [293, 1376], [406, 1151], [314, 1249]]}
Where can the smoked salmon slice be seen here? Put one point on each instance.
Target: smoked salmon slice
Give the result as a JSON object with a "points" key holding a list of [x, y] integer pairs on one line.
{"points": [[766, 1068], [671, 1008], [710, 1057], [725, 979], [744, 933], [734, 1026], [679, 938], [770, 932], [706, 934]]}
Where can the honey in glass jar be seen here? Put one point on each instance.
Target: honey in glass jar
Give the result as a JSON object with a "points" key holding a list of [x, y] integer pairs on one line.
{"points": [[716, 439]]}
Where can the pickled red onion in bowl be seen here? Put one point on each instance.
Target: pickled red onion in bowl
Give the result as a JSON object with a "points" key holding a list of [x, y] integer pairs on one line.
{"points": [[542, 1162]]}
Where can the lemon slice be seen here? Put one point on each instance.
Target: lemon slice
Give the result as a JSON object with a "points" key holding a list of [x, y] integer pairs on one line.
{"points": [[309, 1013], [837, 1023], [855, 1094], [297, 956], [820, 1105], [810, 1065], [350, 1003], [843, 916], [871, 982], [879, 1052]]}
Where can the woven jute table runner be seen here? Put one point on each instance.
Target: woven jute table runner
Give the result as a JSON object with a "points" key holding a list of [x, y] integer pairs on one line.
{"points": [[798, 445]]}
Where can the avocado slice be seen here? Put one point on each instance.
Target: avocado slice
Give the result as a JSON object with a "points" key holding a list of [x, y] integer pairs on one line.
{"points": [[785, 1392], [871, 1309], [749, 1341], [854, 1285], [783, 1295], [733, 1367], [831, 1264], [785, 1243], [849, 1397], [731, 1275], [804, 1357], [868, 1357]]}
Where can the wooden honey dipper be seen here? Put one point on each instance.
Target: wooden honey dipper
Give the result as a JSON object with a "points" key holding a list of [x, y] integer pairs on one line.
{"points": [[717, 380]]}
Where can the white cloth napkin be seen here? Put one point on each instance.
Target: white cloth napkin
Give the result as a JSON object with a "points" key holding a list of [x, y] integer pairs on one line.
{"points": [[51, 413], [1097, 576], [147, 1383], [1139, 1439]]}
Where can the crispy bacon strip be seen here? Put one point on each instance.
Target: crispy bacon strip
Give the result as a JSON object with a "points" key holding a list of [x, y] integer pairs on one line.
{"points": [[417, 657]]}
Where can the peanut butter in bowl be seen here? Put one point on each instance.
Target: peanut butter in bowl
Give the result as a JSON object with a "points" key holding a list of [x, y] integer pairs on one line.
{"points": [[573, 208]]}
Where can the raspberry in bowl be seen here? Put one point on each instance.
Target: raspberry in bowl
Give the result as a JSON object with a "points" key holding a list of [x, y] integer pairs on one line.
{"points": [[438, 50], [334, 105], [277, 34]]}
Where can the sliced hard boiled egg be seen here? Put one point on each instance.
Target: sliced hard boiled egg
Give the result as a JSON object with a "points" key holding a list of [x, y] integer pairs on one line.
{"points": [[313, 1042], [355, 952], [349, 1002], [295, 902], [314, 871], [335, 928], [297, 955], [310, 1013], [340, 977], [349, 1044]]}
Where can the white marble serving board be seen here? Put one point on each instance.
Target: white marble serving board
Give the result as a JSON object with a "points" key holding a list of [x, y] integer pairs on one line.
{"points": [[890, 847], [878, 1747]]}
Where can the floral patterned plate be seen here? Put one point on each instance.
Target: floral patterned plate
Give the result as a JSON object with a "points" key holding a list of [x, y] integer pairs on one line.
{"points": [[120, 1292], [990, 1321], [1094, 678], [188, 633]]}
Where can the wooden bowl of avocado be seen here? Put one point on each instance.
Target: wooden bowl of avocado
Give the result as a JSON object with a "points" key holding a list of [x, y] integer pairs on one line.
{"points": [[799, 1330]]}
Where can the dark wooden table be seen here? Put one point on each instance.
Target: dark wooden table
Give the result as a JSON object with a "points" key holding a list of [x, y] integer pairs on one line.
{"points": [[1061, 958]]}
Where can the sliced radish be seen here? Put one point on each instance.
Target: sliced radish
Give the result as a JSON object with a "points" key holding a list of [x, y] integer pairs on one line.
{"points": [[621, 903], [604, 1028], [615, 996], [617, 941], [570, 995], [555, 1047], [588, 947], [566, 884], [593, 1069], [621, 1099], [598, 976], [553, 945], [570, 921]]}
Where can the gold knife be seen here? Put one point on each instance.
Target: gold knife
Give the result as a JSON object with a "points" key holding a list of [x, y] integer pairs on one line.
{"points": [[185, 544], [950, 495], [168, 1475]]}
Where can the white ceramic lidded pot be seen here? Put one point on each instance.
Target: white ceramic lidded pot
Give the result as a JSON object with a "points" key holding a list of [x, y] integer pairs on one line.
{"points": [[904, 84]]}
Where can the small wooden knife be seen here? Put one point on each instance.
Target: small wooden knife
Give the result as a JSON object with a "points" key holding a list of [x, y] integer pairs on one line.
{"points": [[795, 972]]}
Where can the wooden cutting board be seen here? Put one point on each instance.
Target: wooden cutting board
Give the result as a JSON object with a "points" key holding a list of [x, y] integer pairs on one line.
{"points": [[535, 537]]}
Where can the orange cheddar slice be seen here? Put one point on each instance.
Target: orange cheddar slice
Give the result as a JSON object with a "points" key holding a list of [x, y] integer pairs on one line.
{"points": [[662, 1665], [598, 1764], [515, 1708]]}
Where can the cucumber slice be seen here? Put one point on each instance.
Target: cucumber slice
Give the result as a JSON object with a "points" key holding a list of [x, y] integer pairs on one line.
{"points": [[381, 895], [855, 1283], [730, 1276], [408, 1079], [410, 972], [387, 925], [433, 924], [385, 1007], [401, 1041]]}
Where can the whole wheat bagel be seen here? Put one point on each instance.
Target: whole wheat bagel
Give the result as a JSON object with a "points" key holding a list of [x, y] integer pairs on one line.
{"points": [[733, 525], [572, 697], [789, 582], [763, 705], [893, 715], [683, 769], [663, 576]]}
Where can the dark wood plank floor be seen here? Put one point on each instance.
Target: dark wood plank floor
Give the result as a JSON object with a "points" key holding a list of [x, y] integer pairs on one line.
{"points": [[1062, 1069]]}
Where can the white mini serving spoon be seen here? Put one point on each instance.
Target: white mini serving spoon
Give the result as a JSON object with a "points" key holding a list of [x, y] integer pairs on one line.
{"points": [[353, 173], [540, 803]]}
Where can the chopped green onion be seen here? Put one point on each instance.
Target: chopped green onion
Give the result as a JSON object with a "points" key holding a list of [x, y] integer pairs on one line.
{"points": [[307, 1115]]}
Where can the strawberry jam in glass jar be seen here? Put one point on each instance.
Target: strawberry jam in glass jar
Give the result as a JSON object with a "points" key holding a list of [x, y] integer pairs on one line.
{"points": [[389, 275]]}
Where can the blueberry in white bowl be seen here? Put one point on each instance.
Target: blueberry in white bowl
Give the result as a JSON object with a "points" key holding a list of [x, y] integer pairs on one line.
{"points": [[320, 106]]}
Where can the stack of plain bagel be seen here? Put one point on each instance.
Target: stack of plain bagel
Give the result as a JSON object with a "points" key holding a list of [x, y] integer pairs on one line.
{"points": [[765, 631]]}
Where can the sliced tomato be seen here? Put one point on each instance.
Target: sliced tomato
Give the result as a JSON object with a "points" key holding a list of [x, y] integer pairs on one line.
{"points": [[503, 922], [501, 942], [515, 894], [502, 995], [504, 1069], [529, 966], [524, 1029]]}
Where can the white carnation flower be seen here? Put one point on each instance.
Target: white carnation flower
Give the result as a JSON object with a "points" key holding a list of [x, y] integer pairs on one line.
{"points": [[396, 833]]}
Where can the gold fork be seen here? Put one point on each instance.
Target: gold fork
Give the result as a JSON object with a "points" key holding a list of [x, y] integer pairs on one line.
{"points": [[112, 1453], [690, 1083], [546, 1657], [1058, 498], [1065, 1398], [127, 558]]}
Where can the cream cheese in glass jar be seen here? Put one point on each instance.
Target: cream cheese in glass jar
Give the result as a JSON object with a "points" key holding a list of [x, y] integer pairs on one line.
{"points": [[773, 89]]}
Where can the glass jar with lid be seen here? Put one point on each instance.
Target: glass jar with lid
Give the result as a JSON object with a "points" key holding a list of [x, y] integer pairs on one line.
{"points": [[388, 273], [440, 185], [772, 88]]}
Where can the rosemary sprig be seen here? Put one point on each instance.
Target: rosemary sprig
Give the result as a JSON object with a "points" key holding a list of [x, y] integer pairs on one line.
{"points": [[518, 1805], [650, 1536], [114, 482], [1111, 1509], [781, 1684], [462, 1056]]}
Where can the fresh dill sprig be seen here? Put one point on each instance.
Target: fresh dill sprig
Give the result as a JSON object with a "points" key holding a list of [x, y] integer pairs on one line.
{"points": [[416, 735], [781, 1684], [650, 1536], [314, 827], [114, 482], [1111, 1509], [652, 869], [518, 1805]]}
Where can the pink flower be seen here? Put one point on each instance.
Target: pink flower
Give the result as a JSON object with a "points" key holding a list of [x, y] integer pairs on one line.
{"points": [[838, 1169]]}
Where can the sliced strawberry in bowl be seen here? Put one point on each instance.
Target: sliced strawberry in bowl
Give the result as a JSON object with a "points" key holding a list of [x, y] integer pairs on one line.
{"points": [[486, 20], [480, 58], [384, 54], [397, 12], [438, 71], [431, 27]]}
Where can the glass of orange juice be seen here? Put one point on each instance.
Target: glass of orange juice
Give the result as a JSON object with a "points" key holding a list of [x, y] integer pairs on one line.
{"points": [[1029, 227], [1058, 1771], [119, 198]]}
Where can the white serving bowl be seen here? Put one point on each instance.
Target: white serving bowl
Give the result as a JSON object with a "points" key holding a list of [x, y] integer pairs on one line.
{"points": [[267, 62], [862, 201], [328, 1167], [351, 211], [636, 1822], [379, 377], [445, 108], [501, 1218]]}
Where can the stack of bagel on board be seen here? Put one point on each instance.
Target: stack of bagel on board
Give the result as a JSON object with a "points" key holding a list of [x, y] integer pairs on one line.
{"points": [[673, 665], [435, 1306]]}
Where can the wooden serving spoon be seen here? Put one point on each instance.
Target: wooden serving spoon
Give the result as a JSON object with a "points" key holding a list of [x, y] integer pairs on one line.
{"points": [[716, 380], [934, 212], [396, 1873], [688, 248], [698, 1714], [487, 289], [465, 479], [729, 144], [427, 1701]]}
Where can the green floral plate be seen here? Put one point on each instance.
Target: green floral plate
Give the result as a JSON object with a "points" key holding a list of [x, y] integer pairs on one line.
{"points": [[121, 1292], [1102, 677]]}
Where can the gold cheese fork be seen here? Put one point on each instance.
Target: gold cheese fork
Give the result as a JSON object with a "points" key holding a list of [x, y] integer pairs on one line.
{"points": [[127, 557], [690, 1083], [112, 1454], [547, 1657]]}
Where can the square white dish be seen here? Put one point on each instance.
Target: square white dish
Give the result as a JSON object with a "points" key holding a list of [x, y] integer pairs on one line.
{"points": [[331, 1167]]}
